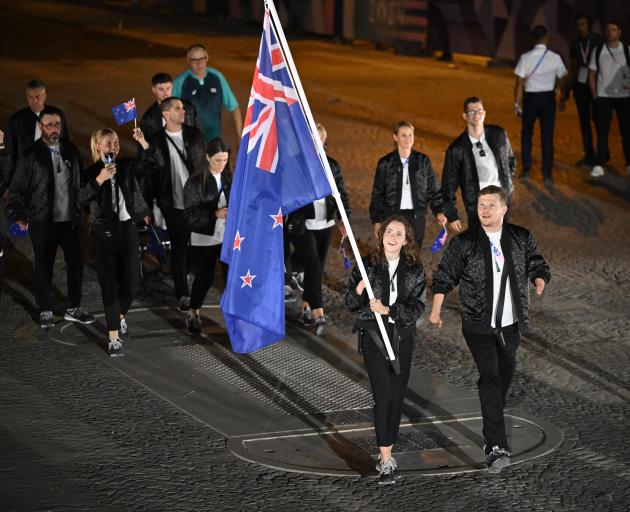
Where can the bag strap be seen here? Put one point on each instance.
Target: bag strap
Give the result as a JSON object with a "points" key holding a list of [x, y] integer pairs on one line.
{"points": [[179, 151]]}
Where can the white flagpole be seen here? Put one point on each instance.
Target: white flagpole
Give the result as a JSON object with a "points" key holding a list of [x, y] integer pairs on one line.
{"points": [[322, 155]]}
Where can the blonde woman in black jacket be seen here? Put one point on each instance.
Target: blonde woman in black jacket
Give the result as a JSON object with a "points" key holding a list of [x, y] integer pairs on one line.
{"points": [[206, 197], [111, 190], [398, 282]]}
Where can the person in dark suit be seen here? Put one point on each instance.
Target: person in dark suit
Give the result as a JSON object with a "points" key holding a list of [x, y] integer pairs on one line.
{"points": [[44, 199], [177, 151], [24, 127]]}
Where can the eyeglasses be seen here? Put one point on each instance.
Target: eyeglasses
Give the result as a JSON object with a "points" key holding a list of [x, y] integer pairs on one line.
{"points": [[482, 153], [198, 59], [473, 113], [487, 206], [48, 126]]}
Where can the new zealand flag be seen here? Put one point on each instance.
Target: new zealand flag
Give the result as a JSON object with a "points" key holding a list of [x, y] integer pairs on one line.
{"points": [[278, 170]]}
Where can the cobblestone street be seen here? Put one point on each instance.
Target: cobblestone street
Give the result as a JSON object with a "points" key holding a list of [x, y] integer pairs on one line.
{"points": [[79, 432]]}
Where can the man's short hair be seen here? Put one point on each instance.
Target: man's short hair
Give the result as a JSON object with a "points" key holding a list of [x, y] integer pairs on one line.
{"points": [[470, 101], [49, 111], [36, 84], [539, 33], [583, 15], [400, 124], [196, 46], [167, 103], [613, 22], [493, 189], [161, 78]]}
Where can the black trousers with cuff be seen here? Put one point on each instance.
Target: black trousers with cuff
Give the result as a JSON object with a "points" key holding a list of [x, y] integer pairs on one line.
{"points": [[496, 365], [115, 250], [388, 389]]}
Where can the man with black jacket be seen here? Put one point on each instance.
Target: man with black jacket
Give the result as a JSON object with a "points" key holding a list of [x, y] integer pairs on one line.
{"points": [[492, 265], [24, 127], [404, 184], [43, 199], [480, 156], [177, 151]]}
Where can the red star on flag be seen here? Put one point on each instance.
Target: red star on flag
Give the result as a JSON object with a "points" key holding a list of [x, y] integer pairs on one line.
{"points": [[238, 239], [247, 279], [277, 219]]}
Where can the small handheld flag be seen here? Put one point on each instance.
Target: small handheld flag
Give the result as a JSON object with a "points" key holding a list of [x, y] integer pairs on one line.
{"points": [[16, 231], [125, 112], [439, 241]]}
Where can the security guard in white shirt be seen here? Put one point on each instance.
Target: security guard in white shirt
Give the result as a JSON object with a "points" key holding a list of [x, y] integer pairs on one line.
{"points": [[538, 73]]}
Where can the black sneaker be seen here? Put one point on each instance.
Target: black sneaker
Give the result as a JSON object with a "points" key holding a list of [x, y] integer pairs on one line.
{"points": [[498, 459], [193, 324], [306, 317], [46, 319], [298, 280], [115, 347], [289, 294], [320, 326], [548, 182], [123, 332], [184, 304], [387, 471], [78, 315], [525, 175]]}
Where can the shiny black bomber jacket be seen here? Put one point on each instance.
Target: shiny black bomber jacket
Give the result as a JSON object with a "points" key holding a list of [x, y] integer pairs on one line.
{"points": [[460, 171], [387, 188], [201, 202], [467, 262], [32, 190], [411, 284], [99, 197]]}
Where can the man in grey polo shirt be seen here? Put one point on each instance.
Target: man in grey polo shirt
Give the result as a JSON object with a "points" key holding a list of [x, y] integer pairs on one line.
{"points": [[609, 79]]}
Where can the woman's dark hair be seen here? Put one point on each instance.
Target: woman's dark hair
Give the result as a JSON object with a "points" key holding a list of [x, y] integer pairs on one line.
{"points": [[410, 250], [212, 148]]}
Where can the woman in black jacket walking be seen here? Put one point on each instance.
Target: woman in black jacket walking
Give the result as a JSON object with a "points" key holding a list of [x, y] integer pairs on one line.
{"points": [[398, 281], [111, 190], [206, 197]]}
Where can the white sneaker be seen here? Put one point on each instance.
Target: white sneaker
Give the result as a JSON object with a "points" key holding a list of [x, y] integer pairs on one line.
{"points": [[597, 171]]}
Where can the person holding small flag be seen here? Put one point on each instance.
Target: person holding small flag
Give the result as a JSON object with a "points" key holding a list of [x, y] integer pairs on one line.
{"points": [[110, 188], [493, 265], [44, 200], [310, 230], [399, 284], [177, 151], [405, 184], [206, 198]]}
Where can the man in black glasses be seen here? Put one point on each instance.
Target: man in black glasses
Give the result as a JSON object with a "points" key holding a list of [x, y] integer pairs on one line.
{"points": [[480, 156], [493, 265], [44, 200]]}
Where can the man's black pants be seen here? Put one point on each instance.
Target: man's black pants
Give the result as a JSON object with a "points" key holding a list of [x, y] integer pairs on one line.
{"points": [[204, 260], [541, 106], [179, 235], [115, 250], [46, 237], [388, 389], [496, 365], [417, 219], [605, 107], [586, 113]]}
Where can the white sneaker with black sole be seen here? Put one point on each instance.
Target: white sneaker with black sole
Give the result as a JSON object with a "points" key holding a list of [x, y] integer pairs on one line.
{"points": [[115, 347], [123, 332], [46, 319]]}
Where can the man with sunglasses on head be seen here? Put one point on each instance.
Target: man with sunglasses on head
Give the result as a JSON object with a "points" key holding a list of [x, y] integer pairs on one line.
{"points": [[207, 89], [44, 200], [482, 155]]}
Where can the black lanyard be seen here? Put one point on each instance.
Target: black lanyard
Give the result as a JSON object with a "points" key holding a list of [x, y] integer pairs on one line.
{"points": [[392, 286]]}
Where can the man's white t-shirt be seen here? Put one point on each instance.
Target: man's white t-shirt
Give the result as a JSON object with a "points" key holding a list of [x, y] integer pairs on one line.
{"points": [[498, 264], [611, 69], [542, 78]]}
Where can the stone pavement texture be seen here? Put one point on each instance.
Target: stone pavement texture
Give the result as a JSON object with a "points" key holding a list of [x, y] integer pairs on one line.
{"points": [[76, 434]]}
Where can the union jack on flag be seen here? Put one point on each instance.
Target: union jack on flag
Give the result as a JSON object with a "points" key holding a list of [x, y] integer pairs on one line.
{"points": [[125, 112], [278, 170]]}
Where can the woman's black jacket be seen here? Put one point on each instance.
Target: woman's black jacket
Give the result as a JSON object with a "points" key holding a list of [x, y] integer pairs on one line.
{"points": [[387, 188], [201, 201], [467, 262], [411, 283], [294, 224], [99, 197]]}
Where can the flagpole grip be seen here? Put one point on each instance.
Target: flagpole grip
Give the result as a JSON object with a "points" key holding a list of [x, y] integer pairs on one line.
{"points": [[329, 175]]}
